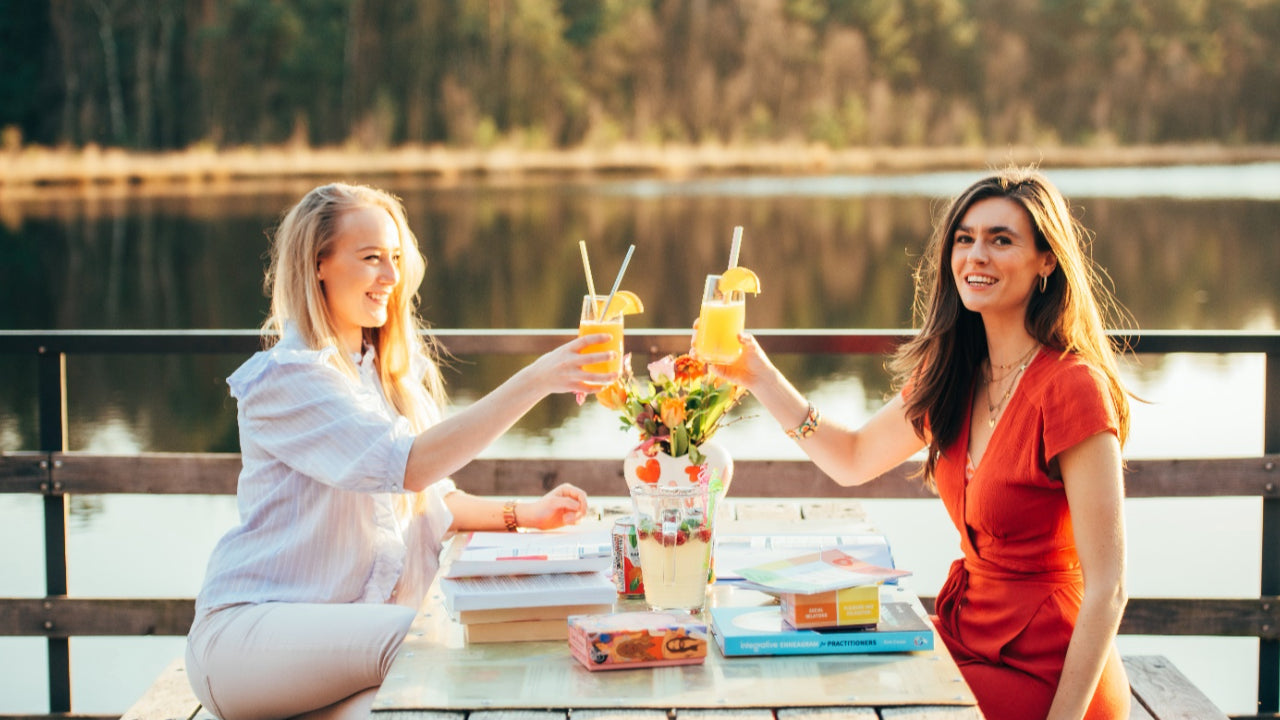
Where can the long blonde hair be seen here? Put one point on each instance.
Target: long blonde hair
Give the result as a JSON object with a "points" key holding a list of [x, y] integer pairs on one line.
{"points": [[304, 237], [1069, 315]]}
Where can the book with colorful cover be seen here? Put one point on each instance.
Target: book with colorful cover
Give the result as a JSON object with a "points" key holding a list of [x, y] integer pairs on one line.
{"points": [[569, 550], [511, 591], [848, 608], [735, 551], [903, 627], [817, 572]]}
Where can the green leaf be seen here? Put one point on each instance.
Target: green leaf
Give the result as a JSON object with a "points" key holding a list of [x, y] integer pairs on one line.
{"points": [[695, 455], [679, 441]]}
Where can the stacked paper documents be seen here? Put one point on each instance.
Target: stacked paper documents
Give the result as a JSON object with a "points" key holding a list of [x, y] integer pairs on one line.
{"points": [[504, 587]]}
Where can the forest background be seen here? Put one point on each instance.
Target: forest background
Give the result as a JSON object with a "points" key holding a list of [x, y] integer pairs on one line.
{"points": [[159, 75]]}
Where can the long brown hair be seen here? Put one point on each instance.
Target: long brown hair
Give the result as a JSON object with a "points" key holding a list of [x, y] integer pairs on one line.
{"points": [[303, 238], [941, 362]]}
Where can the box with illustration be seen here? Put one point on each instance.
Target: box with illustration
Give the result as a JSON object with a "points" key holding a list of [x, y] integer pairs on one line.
{"points": [[617, 641]]}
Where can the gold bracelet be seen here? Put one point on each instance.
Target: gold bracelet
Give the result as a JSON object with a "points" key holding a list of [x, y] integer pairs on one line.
{"points": [[509, 516], [809, 426]]}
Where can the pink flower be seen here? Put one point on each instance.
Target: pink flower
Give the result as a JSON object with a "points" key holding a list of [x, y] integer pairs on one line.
{"points": [[664, 370]]}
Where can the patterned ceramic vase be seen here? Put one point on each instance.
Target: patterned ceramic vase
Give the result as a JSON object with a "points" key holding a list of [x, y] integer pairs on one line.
{"points": [[665, 471]]}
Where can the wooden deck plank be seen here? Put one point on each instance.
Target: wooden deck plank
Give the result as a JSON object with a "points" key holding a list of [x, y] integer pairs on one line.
{"points": [[623, 714], [928, 712], [828, 713], [413, 715], [725, 714], [1164, 691], [168, 698], [518, 715]]}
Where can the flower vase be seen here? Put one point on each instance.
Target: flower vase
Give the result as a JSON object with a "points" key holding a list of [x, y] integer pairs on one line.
{"points": [[663, 470]]}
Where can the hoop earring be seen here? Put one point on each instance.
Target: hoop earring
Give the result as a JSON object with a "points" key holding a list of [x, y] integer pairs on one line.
{"points": [[1044, 283]]}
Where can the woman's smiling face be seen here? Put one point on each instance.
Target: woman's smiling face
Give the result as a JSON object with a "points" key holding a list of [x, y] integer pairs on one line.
{"points": [[360, 272], [994, 260]]}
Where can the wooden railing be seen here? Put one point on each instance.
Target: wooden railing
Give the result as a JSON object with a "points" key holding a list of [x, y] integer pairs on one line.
{"points": [[55, 474]]}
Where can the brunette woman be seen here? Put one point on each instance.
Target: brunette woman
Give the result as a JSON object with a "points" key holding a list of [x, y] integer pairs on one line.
{"points": [[1011, 388]]}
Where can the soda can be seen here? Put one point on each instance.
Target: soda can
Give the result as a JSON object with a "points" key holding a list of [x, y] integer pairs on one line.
{"points": [[626, 559]]}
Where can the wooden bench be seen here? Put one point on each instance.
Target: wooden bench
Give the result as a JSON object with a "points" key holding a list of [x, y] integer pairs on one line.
{"points": [[1160, 692], [168, 698]]}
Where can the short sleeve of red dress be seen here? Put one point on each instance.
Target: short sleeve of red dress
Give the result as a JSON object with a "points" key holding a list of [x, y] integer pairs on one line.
{"points": [[1076, 406]]}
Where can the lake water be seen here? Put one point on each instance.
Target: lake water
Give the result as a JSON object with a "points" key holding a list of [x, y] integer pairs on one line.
{"points": [[1187, 248]]}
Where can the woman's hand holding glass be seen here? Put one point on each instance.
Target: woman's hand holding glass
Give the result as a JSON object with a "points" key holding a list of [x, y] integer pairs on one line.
{"points": [[751, 366], [568, 367]]}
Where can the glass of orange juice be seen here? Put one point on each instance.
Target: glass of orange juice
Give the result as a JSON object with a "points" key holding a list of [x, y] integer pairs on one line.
{"points": [[721, 319], [593, 321]]}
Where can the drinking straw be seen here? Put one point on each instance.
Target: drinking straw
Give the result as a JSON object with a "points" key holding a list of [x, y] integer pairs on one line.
{"points": [[618, 280], [733, 249], [586, 265]]}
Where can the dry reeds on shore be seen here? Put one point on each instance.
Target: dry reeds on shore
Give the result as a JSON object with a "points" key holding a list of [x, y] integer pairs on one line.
{"points": [[38, 167]]}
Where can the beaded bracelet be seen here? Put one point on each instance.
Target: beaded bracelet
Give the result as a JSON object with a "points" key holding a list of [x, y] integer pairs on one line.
{"points": [[809, 426], [509, 516]]}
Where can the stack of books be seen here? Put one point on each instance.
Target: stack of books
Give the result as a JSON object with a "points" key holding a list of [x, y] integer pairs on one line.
{"points": [[829, 602], [505, 587], [903, 626]]}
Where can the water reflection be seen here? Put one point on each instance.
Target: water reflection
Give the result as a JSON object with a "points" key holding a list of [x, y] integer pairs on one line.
{"points": [[506, 257], [833, 252]]}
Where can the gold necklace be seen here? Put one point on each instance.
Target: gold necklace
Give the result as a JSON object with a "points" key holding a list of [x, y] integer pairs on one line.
{"points": [[993, 407], [1019, 361]]}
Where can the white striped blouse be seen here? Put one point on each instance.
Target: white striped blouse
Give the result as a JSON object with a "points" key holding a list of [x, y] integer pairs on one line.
{"points": [[323, 456]]}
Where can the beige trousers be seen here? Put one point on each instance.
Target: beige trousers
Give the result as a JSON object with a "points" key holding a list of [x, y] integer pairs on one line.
{"points": [[282, 660]]}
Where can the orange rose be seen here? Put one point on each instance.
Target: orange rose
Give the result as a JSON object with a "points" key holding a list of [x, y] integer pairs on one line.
{"points": [[689, 369], [613, 396], [671, 412]]}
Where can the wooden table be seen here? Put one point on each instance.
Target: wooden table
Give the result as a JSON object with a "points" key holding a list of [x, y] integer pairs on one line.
{"points": [[437, 676]]}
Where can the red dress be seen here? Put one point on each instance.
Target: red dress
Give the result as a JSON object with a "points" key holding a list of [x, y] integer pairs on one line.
{"points": [[1007, 609]]}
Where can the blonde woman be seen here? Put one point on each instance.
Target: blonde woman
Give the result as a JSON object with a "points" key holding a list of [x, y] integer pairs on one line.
{"points": [[344, 495], [1012, 390]]}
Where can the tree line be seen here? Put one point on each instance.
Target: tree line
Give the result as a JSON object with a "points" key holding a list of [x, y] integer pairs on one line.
{"points": [[160, 74]]}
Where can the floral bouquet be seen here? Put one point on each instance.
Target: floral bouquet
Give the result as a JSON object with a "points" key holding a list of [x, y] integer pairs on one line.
{"points": [[680, 407]]}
